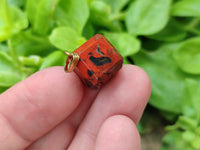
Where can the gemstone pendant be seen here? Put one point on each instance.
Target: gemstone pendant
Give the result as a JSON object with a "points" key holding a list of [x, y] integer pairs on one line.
{"points": [[95, 62]]}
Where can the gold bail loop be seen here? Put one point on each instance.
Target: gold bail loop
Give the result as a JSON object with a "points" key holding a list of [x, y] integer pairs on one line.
{"points": [[72, 61]]}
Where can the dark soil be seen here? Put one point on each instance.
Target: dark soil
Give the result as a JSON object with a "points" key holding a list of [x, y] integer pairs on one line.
{"points": [[153, 129]]}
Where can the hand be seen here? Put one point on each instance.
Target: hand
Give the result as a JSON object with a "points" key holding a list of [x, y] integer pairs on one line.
{"points": [[52, 110]]}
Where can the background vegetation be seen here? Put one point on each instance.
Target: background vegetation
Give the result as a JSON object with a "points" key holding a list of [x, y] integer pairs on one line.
{"points": [[161, 36]]}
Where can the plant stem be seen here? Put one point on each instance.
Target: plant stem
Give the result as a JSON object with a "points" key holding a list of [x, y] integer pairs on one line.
{"points": [[119, 16], [14, 56], [191, 26]]}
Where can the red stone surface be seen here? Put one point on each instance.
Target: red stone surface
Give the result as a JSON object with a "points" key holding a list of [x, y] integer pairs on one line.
{"points": [[99, 61]]}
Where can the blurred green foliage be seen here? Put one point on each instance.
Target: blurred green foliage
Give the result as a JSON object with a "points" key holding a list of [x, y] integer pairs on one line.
{"points": [[161, 36]]}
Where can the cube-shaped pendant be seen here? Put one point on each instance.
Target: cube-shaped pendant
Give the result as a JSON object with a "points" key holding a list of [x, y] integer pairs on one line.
{"points": [[98, 61]]}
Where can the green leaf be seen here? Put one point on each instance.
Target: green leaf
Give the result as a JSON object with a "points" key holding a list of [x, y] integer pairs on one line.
{"points": [[188, 56], [31, 10], [6, 62], [191, 101], [186, 8], [88, 30], [19, 19], [189, 136], [12, 20], [181, 140], [25, 43], [100, 8], [174, 141], [140, 128], [3, 47], [116, 5], [100, 15], [146, 17], [5, 21], [126, 44], [171, 33], [126, 61], [196, 142], [72, 13], [56, 58], [66, 38], [167, 79], [2, 89], [9, 74], [186, 123], [19, 3], [100, 12], [170, 116], [9, 78], [40, 14], [171, 140]]}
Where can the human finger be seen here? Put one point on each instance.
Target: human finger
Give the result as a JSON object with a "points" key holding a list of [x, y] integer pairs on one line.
{"points": [[56, 139], [34, 106], [118, 133], [61, 136], [126, 94]]}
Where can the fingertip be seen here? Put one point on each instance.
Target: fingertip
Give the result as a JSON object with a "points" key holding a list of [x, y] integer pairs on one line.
{"points": [[118, 132], [138, 76], [130, 89], [141, 80]]}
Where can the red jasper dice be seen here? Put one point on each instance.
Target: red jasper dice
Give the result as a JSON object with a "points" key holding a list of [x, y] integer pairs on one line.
{"points": [[99, 61]]}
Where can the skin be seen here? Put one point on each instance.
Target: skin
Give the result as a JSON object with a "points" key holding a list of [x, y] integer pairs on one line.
{"points": [[53, 110]]}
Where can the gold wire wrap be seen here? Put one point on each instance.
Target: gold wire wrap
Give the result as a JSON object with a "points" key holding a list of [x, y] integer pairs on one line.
{"points": [[73, 59]]}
